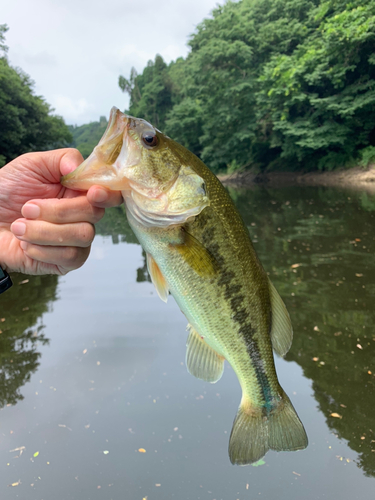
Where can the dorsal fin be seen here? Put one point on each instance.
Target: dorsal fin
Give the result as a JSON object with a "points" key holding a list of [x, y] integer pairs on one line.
{"points": [[281, 330], [201, 360], [157, 278]]}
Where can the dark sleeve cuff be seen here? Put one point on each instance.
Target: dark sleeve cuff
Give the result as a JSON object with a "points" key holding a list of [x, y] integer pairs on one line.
{"points": [[5, 281]]}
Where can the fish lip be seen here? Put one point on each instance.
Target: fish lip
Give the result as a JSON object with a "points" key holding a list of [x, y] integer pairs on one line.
{"points": [[101, 167]]}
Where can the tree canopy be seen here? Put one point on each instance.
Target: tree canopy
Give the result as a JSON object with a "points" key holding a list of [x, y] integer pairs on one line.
{"points": [[26, 120], [271, 84], [86, 137]]}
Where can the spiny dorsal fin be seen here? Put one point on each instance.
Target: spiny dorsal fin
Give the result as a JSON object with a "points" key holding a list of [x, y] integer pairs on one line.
{"points": [[281, 331], [196, 255], [157, 278], [201, 360]]}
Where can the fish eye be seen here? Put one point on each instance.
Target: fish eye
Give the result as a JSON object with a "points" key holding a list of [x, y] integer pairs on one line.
{"points": [[150, 139]]}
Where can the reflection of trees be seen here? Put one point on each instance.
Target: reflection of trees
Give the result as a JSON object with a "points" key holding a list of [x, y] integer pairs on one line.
{"points": [[115, 224], [142, 272], [330, 296], [20, 308]]}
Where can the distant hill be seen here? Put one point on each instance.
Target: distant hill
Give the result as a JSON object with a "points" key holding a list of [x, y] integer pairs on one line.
{"points": [[86, 137]]}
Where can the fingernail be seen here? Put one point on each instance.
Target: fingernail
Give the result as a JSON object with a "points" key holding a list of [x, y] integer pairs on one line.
{"points": [[101, 195], [31, 211], [18, 228], [24, 245]]}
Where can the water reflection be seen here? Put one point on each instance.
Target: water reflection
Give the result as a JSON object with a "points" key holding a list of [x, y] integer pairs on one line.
{"points": [[21, 333], [317, 245]]}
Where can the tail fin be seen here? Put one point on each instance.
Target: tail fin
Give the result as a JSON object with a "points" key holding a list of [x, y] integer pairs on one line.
{"points": [[253, 434]]}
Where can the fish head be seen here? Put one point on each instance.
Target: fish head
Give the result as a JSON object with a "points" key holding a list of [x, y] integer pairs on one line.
{"points": [[153, 172]]}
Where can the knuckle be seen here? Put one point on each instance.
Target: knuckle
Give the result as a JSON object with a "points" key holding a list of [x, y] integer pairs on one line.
{"points": [[86, 234], [59, 211], [72, 255], [98, 214]]}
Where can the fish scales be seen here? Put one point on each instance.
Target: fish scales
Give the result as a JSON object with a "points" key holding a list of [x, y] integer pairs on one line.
{"points": [[200, 251], [230, 293]]}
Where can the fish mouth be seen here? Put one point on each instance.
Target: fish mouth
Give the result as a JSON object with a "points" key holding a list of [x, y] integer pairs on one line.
{"points": [[101, 167]]}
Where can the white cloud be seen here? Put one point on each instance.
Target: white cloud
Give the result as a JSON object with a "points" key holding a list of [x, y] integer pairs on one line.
{"points": [[73, 110], [75, 51]]}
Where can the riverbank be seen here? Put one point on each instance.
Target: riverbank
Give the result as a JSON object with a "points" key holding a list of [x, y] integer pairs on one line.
{"points": [[356, 178]]}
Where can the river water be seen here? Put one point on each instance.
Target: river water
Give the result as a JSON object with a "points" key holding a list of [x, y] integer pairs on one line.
{"points": [[96, 400]]}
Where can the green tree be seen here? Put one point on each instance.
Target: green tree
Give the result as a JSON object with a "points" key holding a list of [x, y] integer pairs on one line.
{"points": [[318, 101], [150, 93], [86, 137], [3, 29], [276, 84]]}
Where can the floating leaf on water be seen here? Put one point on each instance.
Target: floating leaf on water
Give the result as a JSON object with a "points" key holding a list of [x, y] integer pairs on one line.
{"points": [[23, 282], [359, 346], [316, 329], [36, 454], [315, 359], [359, 275], [15, 484], [335, 415], [142, 450], [260, 462], [294, 266], [105, 452]]}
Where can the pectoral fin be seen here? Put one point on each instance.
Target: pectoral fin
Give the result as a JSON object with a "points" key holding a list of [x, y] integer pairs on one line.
{"points": [[201, 360], [157, 278], [281, 331], [197, 256]]}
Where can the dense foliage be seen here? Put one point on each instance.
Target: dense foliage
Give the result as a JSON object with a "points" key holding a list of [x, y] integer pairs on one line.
{"points": [[26, 122], [272, 84], [86, 137]]}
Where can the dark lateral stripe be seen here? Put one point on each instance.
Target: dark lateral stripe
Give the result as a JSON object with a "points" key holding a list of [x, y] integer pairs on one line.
{"points": [[262, 377]]}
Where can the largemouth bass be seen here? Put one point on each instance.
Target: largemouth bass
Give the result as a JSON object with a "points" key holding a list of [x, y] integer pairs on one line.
{"points": [[199, 250]]}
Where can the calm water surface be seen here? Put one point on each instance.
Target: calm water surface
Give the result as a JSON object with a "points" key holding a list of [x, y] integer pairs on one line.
{"points": [[96, 400]]}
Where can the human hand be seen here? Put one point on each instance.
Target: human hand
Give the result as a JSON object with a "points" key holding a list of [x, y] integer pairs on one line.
{"points": [[46, 228]]}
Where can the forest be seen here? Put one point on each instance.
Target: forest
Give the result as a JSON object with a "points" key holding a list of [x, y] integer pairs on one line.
{"points": [[269, 85]]}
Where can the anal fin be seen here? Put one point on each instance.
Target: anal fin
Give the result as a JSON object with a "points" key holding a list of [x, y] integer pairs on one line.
{"points": [[201, 360], [157, 278]]}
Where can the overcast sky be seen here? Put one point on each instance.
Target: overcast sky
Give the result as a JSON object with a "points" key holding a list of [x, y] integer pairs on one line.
{"points": [[75, 50]]}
